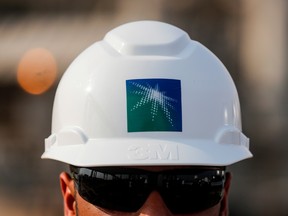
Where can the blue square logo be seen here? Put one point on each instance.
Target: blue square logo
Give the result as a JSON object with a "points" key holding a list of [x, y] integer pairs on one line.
{"points": [[154, 105]]}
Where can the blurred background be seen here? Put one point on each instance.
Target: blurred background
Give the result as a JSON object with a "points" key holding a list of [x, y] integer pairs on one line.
{"points": [[249, 36]]}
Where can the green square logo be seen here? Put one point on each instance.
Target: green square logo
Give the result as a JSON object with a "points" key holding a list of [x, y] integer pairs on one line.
{"points": [[154, 105]]}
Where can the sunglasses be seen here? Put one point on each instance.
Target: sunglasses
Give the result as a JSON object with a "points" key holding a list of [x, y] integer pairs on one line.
{"points": [[126, 189]]}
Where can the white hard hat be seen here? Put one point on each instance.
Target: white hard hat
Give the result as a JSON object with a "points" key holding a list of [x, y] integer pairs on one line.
{"points": [[146, 95]]}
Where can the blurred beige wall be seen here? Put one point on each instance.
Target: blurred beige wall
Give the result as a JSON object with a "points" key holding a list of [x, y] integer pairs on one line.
{"points": [[263, 54]]}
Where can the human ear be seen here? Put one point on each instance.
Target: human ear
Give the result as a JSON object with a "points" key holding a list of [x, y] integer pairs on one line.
{"points": [[224, 210], [68, 193]]}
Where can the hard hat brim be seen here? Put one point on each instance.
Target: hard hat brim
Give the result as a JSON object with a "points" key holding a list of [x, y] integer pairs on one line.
{"points": [[148, 152]]}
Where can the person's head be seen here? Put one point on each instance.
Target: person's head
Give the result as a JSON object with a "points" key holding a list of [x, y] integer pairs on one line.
{"points": [[148, 120]]}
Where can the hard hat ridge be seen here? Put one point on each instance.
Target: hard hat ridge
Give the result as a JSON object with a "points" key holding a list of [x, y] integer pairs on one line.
{"points": [[147, 39]]}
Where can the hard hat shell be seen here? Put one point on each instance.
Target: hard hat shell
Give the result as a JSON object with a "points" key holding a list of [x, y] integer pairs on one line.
{"points": [[146, 95]]}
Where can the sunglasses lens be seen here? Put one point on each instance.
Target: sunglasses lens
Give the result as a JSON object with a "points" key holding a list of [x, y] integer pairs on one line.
{"points": [[118, 192], [126, 190], [181, 202], [193, 192]]}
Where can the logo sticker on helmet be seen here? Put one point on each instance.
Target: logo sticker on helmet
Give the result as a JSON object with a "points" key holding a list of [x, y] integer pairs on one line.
{"points": [[154, 105]]}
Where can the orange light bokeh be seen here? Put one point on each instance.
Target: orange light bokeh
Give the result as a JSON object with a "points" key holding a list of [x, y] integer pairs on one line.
{"points": [[37, 71]]}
